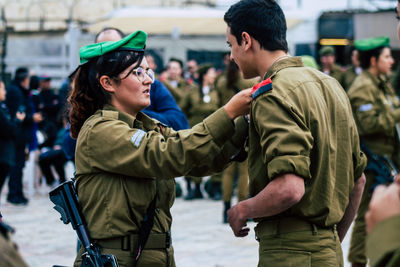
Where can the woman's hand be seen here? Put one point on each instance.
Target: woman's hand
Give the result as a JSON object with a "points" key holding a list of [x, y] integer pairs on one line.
{"points": [[239, 104]]}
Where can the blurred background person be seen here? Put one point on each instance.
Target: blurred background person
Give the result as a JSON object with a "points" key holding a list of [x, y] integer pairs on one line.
{"points": [[201, 101], [376, 109], [328, 62], [191, 73], [19, 99], [9, 128], [227, 86], [351, 72]]}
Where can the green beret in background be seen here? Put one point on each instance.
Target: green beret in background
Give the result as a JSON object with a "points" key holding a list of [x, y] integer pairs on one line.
{"points": [[372, 43], [309, 61], [134, 42], [326, 51]]}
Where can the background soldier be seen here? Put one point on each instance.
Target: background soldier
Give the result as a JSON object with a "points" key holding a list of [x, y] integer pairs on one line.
{"points": [[305, 164], [352, 72], [328, 65], [377, 110]]}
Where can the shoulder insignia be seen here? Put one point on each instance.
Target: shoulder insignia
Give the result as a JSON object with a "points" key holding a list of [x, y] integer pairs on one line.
{"points": [[366, 107], [110, 114], [137, 137], [261, 88]]}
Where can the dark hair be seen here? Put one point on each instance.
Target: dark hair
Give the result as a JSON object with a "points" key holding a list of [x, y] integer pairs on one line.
{"points": [[21, 74], [109, 29], [262, 19], [87, 94], [173, 59], [33, 82], [365, 56], [202, 71]]}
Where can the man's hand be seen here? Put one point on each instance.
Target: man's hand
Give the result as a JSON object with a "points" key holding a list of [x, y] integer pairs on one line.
{"points": [[237, 221], [385, 203]]}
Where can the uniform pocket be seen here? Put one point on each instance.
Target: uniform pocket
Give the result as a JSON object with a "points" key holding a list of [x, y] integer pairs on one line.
{"points": [[286, 258]]}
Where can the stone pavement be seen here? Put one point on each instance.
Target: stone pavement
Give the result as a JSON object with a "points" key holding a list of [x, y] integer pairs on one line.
{"points": [[199, 237]]}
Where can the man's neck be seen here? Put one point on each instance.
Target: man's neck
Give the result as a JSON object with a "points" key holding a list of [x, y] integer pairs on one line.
{"points": [[267, 58]]}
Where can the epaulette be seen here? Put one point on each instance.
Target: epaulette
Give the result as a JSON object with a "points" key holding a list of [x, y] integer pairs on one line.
{"points": [[109, 114], [261, 88]]}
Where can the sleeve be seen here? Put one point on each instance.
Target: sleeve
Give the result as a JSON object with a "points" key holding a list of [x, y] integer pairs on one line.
{"points": [[8, 127], [383, 243], [285, 140], [370, 115], [164, 108], [113, 146], [13, 101]]}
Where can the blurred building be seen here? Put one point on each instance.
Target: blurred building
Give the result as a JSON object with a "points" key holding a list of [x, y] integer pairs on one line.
{"points": [[45, 35]]}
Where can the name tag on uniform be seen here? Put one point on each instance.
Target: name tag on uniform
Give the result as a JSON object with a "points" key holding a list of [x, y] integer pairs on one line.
{"points": [[366, 107], [137, 137]]}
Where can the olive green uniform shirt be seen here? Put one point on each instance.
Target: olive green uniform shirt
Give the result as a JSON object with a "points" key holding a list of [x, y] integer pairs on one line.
{"points": [[122, 162], [9, 255], [197, 106], [383, 243], [180, 91], [370, 98], [348, 78], [336, 72], [304, 126]]}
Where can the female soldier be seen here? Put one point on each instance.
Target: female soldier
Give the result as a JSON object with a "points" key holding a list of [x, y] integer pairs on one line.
{"points": [[377, 111], [200, 102], [125, 161]]}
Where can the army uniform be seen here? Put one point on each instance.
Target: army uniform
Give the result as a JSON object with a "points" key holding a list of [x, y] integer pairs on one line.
{"points": [[376, 119], [9, 256], [123, 162], [197, 108], [336, 72], [180, 91], [348, 77], [303, 125], [383, 243]]}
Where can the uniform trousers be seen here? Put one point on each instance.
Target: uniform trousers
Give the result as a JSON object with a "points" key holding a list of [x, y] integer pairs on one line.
{"points": [[295, 242], [15, 180]]}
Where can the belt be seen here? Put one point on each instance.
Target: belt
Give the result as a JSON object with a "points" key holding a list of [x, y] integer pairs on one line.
{"points": [[131, 242], [288, 225]]}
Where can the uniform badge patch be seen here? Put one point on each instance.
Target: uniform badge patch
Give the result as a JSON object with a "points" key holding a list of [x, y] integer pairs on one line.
{"points": [[366, 107], [137, 137], [261, 88]]}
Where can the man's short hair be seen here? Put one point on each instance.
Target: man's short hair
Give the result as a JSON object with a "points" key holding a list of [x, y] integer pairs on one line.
{"points": [[109, 29], [21, 74], [261, 19], [173, 59]]}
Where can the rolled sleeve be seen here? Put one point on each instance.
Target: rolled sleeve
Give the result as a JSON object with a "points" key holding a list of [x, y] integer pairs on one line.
{"points": [[285, 138]]}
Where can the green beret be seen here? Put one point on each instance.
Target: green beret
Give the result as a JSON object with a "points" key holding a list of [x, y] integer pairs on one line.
{"points": [[133, 42], [326, 51], [372, 43]]}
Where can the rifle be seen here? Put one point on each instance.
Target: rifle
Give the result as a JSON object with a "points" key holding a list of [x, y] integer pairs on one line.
{"points": [[384, 169], [66, 203]]}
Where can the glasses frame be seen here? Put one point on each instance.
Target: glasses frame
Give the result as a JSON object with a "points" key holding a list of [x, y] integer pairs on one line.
{"points": [[135, 72]]}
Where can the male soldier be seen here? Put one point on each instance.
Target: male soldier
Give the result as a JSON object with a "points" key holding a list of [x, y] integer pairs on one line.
{"points": [[383, 218], [328, 66], [9, 256], [352, 72], [376, 109], [305, 164]]}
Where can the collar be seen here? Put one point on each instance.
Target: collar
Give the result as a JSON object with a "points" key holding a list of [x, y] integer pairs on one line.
{"points": [[283, 64], [122, 116]]}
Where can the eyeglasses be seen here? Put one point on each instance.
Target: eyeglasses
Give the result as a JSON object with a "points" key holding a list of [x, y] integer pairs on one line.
{"points": [[141, 73]]}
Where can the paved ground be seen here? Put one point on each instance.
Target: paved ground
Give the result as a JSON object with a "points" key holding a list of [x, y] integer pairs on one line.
{"points": [[199, 237]]}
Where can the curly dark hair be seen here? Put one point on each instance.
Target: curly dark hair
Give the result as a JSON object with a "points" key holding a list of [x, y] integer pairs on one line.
{"points": [[87, 95]]}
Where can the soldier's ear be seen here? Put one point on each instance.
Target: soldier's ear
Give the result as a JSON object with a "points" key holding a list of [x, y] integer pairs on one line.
{"points": [[107, 83], [246, 40], [373, 61]]}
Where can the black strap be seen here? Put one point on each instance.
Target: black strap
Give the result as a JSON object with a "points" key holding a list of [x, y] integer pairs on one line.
{"points": [[147, 225]]}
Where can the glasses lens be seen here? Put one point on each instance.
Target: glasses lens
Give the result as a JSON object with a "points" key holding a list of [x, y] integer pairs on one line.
{"points": [[151, 75]]}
